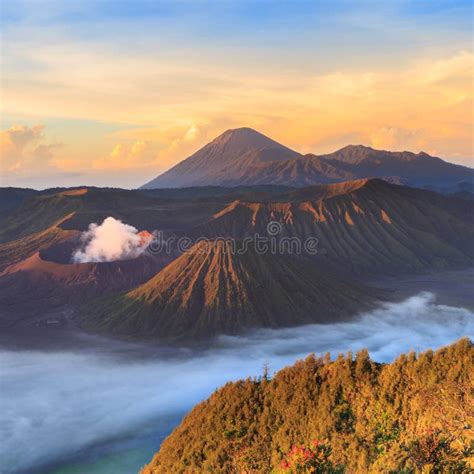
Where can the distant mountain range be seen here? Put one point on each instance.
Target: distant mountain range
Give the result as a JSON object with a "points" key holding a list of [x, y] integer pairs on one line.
{"points": [[246, 157]]}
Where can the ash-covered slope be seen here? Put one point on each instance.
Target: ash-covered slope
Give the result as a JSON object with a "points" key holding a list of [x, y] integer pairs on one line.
{"points": [[363, 226], [48, 283], [211, 290]]}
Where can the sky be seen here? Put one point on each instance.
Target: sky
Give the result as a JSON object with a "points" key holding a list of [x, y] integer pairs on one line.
{"points": [[114, 92]]}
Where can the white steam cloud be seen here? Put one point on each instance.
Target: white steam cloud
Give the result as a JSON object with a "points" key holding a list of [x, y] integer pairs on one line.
{"points": [[112, 240]]}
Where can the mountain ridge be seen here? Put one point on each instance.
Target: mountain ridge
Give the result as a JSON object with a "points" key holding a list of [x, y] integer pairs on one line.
{"points": [[246, 157], [363, 226]]}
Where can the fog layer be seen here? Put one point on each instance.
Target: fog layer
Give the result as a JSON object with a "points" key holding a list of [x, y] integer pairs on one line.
{"points": [[54, 404]]}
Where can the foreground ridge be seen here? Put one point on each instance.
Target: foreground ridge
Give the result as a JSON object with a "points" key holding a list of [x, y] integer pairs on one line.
{"points": [[414, 414]]}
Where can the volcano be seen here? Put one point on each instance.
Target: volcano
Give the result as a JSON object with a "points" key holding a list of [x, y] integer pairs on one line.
{"points": [[211, 289], [244, 157], [225, 160]]}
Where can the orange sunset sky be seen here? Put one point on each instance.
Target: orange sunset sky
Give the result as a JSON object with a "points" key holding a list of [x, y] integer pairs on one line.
{"points": [[114, 92]]}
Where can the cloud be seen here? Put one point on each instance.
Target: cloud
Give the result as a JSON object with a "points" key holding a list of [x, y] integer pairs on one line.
{"points": [[108, 394], [453, 74], [183, 142], [153, 148], [164, 144], [126, 155], [46, 152], [191, 132], [112, 240], [22, 148], [395, 138], [21, 135], [178, 103]]}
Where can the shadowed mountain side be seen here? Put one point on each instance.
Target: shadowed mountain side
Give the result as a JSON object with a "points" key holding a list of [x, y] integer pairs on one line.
{"points": [[405, 167], [16, 250], [221, 192], [10, 198], [364, 226], [48, 283], [300, 171], [211, 290], [419, 170], [75, 209]]}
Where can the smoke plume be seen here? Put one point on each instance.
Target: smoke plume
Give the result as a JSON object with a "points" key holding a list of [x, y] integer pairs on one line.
{"points": [[112, 240]]}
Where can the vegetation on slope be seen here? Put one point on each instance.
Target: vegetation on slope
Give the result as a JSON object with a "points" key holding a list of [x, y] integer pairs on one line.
{"points": [[350, 415], [37, 214]]}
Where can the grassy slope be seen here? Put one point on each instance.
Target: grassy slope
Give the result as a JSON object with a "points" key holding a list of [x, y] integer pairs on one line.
{"points": [[37, 214]]}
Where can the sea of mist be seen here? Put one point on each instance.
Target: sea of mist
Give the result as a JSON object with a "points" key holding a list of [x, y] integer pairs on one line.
{"points": [[105, 408]]}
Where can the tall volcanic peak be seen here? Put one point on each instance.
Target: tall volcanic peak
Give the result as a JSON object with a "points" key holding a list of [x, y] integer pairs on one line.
{"points": [[224, 158], [246, 157], [245, 138]]}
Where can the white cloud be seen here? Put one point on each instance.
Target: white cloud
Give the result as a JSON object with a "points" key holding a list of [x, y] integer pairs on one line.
{"points": [[23, 147], [126, 155], [396, 138]]}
